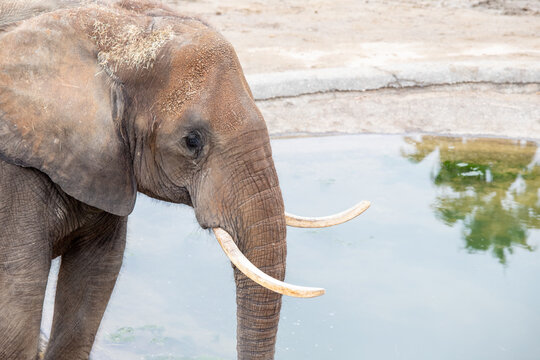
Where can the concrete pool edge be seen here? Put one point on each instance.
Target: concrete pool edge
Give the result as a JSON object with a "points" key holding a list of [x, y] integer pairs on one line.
{"points": [[294, 83], [286, 136], [483, 98]]}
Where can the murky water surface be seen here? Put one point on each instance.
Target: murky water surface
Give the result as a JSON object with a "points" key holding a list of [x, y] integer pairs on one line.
{"points": [[443, 266]]}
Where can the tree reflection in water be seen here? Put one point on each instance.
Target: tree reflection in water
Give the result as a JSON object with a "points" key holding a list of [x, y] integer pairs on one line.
{"points": [[490, 186]]}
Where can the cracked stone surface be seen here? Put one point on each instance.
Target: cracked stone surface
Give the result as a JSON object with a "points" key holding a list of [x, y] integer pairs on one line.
{"points": [[299, 82], [479, 109]]}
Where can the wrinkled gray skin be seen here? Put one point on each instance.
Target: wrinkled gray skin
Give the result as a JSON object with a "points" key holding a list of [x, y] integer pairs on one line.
{"points": [[96, 103]]}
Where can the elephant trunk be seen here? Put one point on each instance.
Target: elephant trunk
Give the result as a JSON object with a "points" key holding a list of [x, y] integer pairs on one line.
{"points": [[262, 239], [255, 217], [239, 193]]}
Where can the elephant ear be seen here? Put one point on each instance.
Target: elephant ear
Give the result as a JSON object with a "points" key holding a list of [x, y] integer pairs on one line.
{"points": [[61, 114]]}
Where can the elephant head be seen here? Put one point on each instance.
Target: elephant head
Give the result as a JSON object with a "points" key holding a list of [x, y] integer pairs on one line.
{"points": [[111, 100]]}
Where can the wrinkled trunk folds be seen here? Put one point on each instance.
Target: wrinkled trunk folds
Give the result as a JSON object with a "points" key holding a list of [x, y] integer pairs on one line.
{"points": [[255, 218], [263, 243]]}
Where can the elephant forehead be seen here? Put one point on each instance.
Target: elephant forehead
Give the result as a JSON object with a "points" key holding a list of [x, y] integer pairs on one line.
{"points": [[207, 76]]}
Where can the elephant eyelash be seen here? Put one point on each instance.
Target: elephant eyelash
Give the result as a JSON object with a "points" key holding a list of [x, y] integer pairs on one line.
{"points": [[194, 143]]}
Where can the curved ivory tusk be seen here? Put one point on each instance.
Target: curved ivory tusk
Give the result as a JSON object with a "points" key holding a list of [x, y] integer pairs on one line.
{"points": [[251, 271], [336, 219]]}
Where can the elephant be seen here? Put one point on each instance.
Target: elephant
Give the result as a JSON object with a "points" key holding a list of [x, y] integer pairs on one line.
{"points": [[100, 101]]}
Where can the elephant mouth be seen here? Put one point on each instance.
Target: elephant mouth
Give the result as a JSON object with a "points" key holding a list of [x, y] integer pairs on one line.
{"points": [[185, 197], [251, 271]]}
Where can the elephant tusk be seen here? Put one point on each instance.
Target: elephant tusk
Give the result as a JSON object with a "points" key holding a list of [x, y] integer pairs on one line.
{"points": [[251, 271], [336, 219]]}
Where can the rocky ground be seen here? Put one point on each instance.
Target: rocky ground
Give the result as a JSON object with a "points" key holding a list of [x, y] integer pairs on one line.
{"points": [[390, 66]]}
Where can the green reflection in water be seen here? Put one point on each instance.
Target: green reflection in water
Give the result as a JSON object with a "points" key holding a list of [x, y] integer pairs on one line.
{"points": [[489, 186], [151, 338]]}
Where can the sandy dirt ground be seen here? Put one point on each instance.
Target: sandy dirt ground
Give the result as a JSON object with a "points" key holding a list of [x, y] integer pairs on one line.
{"points": [[300, 34]]}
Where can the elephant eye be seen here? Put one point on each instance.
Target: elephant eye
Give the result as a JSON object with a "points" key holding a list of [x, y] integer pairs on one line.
{"points": [[194, 142]]}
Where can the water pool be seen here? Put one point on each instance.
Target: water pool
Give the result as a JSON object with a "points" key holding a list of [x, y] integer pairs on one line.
{"points": [[444, 265]]}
